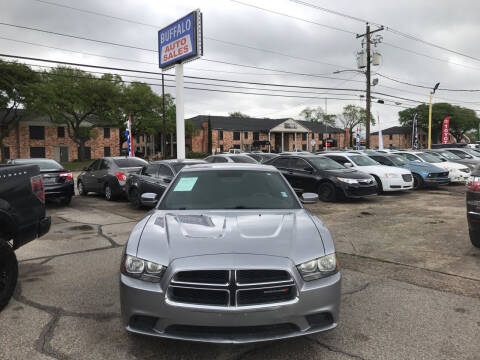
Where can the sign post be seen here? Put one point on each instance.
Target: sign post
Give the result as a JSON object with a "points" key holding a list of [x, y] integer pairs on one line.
{"points": [[180, 42]]}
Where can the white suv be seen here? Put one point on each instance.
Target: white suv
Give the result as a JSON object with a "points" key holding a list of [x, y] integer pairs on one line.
{"points": [[388, 178]]}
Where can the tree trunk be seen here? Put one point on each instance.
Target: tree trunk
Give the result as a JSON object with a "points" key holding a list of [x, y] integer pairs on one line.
{"points": [[81, 151], [350, 132], [2, 152]]}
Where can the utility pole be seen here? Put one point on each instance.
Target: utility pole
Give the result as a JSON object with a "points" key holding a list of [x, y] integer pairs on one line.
{"points": [[164, 125], [429, 143], [368, 76]]}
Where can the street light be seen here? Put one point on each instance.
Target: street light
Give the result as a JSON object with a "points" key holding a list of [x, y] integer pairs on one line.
{"points": [[430, 116]]}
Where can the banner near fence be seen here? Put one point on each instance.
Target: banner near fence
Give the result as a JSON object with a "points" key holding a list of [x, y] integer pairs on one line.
{"points": [[446, 130], [181, 41]]}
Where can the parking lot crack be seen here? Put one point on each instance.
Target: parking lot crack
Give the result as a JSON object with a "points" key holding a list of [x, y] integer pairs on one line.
{"points": [[334, 349], [355, 291], [112, 242]]}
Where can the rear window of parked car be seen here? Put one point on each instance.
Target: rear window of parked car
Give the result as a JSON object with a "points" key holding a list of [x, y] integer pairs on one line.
{"points": [[129, 162], [243, 159]]}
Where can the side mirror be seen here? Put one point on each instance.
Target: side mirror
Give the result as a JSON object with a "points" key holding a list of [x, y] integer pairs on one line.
{"points": [[443, 160], [309, 198], [348, 165], [149, 199], [86, 168], [167, 180], [308, 168]]}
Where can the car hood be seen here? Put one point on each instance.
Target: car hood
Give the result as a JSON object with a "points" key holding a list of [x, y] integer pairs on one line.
{"points": [[422, 166], [381, 170], [294, 234], [349, 174]]}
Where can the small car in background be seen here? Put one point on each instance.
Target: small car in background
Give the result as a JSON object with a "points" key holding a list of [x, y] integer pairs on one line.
{"points": [[230, 158], [108, 176], [473, 206], [424, 174], [387, 178], [154, 178], [456, 172], [321, 175], [262, 157], [57, 181]]}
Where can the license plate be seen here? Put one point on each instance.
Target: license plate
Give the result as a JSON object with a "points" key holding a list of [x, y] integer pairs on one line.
{"points": [[49, 180]]}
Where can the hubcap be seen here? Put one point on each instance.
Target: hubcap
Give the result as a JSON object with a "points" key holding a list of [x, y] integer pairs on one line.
{"points": [[80, 188]]}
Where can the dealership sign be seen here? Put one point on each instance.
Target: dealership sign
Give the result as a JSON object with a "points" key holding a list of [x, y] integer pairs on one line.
{"points": [[181, 41], [446, 130]]}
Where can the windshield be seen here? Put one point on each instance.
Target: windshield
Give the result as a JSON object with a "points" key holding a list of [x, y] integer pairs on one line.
{"points": [[129, 162], [471, 152], [229, 189], [243, 159], [397, 160], [361, 160], [44, 164], [324, 163], [450, 156], [429, 158]]}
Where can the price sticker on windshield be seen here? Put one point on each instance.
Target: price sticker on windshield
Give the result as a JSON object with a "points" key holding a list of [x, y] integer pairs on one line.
{"points": [[186, 184]]}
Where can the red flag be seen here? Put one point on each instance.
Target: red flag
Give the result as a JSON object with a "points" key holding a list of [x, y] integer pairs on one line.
{"points": [[445, 130]]}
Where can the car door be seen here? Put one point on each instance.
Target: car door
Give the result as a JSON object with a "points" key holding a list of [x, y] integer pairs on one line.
{"points": [[302, 175], [148, 179], [282, 163], [101, 175], [88, 178], [165, 176]]}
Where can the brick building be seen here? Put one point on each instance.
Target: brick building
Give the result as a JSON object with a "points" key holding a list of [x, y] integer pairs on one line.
{"points": [[261, 134], [399, 137], [37, 136]]}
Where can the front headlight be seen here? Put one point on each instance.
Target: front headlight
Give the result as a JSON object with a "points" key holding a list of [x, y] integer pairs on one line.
{"points": [[142, 269], [465, 170], [318, 268], [348, 181], [392, 175]]}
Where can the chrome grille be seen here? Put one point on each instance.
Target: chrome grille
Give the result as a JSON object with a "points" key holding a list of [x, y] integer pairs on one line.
{"points": [[232, 288]]}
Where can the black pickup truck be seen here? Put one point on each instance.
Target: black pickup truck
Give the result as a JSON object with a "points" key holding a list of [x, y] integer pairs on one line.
{"points": [[22, 219]]}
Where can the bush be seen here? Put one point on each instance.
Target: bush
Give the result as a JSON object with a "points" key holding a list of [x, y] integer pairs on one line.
{"points": [[196, 155]]}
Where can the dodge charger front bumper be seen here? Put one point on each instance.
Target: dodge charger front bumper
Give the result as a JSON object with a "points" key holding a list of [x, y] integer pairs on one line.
{"points": [[147, 309]]}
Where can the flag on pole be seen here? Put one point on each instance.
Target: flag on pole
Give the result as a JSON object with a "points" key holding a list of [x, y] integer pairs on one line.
{"points": [[380, 136], [358, 140], [414, 133], [446, 130], [128, 135]]}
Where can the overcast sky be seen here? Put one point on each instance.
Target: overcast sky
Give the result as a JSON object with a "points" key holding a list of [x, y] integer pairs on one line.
{"points": [[453, 25]]}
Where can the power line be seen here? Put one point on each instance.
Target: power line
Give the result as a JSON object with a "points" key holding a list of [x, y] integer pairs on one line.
{"points": [[426, 87], [390, 29]]}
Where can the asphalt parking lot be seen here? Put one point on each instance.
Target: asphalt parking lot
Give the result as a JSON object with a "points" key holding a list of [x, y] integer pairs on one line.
{"points": [[411, 286]]}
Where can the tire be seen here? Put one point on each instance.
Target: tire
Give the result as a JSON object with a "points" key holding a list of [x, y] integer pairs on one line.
{"points": [[134, 198], [81, 189], [8, 273], [66, 200], [418, 182], [475, 238], [379, 185], [108, 192], [327, 192]]}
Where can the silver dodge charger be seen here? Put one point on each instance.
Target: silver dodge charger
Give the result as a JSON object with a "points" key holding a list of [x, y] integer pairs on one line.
{"points": [[229, 255]]}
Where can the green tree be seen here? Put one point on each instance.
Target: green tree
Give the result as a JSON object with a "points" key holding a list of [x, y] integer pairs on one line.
{"points": [[317, 115], [238, 114], [462, 119], [353, 116], [79, 100], [17, 83]]}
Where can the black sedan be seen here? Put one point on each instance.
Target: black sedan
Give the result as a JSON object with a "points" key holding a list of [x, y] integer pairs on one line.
{"points": [[57, 181], [108, 176], [311, 173], [154, 178], [473, 206]]}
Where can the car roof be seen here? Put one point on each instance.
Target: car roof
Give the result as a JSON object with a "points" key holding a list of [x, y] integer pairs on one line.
{"points": [[179, 161], [230, 166]]}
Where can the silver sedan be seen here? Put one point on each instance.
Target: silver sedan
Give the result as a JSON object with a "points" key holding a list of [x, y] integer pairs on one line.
{"points": [[229, 255]]}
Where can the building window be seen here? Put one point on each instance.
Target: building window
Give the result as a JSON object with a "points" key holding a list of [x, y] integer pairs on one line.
{"points": [[236, 146], [220, 135], [37, 152], [304, 147], [390, 137], [106, 151], [138, 139], [256, 136], [236, 135], [6, 152], [106, 133], [37, 133], [221, 148], [61, 131], [304, 137], [405, 136], [245, 135]]}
